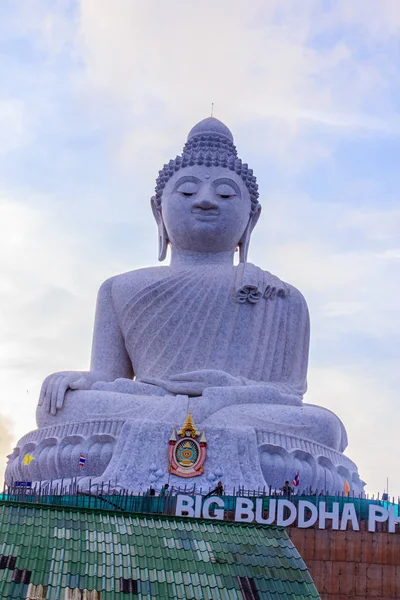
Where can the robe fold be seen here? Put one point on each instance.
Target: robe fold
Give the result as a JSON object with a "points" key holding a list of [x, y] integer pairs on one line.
{"points": [[245, 322]]}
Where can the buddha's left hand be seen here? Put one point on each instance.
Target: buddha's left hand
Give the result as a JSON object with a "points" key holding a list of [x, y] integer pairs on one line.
{"points": [[194, 383], [128, 386]]}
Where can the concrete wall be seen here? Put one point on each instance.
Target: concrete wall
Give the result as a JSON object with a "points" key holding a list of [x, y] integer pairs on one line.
{"points": [[351, 564]]}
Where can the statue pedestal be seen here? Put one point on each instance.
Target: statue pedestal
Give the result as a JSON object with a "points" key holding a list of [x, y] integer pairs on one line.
{"points": [[133, 454]]}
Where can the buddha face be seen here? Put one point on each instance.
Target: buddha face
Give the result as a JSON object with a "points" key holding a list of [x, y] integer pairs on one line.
{"points": [[205, 209]]}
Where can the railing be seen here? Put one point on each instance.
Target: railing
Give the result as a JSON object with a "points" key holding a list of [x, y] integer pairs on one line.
{"points": [[102, 497]]}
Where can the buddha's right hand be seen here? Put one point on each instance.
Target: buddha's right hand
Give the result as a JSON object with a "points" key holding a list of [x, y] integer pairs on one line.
{"points": [[55, 387]]}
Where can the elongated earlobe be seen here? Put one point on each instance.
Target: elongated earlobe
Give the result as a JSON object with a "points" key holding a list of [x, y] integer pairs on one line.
{"points": [[245, 239], [162, 242], [162, 232], [244, 245]]}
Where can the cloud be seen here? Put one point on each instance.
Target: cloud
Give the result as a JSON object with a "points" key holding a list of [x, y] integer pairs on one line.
{"points": [[44, 24], [393, 254], [6, 439], [376, 22], [263, 65], [342, 256], [41, 296], [368, 408], [97, 99]]}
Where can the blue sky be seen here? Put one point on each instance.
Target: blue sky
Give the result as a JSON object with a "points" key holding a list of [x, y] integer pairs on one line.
{"points": [[96, 96]]}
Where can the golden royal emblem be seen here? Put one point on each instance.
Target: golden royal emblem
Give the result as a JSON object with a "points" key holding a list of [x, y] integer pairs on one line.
{"points": [[186, 454]]}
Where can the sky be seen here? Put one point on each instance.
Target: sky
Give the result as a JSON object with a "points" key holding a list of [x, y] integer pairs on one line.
{"points": [[96, 95]]}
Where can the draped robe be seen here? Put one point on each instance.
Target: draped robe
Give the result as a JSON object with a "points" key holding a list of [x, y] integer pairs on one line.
{"points": [[240, 320]]}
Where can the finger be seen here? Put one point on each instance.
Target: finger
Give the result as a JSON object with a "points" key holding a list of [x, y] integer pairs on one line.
{"points": [[43, 391], [62, 388], [54, 392], [48, 395], [46, 402], [45, 385]]}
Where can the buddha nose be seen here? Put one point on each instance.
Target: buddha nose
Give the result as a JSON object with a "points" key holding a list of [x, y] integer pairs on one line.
{"points": [[206, 204]]}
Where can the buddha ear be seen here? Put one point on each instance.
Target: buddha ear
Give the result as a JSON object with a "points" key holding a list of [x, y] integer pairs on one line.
{"points": [[245, 239], [162, 232]]}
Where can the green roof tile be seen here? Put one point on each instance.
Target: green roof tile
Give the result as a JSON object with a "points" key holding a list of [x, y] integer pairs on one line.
{"points": [[169, 557]]}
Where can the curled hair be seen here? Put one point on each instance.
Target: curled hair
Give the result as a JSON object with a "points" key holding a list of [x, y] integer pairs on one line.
{"points": [[211, 150]]}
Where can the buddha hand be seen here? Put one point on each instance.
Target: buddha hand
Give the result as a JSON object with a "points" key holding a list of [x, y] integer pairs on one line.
{"points": [[194, 383], [55, 386], [128, 386]]}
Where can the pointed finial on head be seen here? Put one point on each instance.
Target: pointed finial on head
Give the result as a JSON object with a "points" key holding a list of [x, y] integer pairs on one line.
{"points": [[210, 126], [212, 109]]}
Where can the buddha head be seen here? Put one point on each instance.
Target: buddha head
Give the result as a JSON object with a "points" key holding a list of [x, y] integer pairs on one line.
{"points": [[206, 200]]}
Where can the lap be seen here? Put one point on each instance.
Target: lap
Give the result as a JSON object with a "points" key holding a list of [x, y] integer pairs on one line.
{"points": [[307, 421], [214, 410], [88, 405]]}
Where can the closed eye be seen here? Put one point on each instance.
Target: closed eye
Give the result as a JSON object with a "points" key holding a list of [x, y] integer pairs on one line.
{"points": [[187, 189], [225, 191]]}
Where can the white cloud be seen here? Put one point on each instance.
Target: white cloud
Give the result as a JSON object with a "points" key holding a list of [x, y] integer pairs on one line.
{"points": [[369, 409], [391, 254], [260, 64], [292, 84], [377, 22], [46, 24], [6, 438], [338, 254], [343, 308], [42, 301]]}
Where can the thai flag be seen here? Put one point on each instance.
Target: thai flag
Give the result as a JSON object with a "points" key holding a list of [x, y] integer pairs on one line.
{"points": [[82, 460], [296, 479]]}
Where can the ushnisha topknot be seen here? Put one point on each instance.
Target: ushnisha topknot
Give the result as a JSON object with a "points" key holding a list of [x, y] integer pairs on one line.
{"points": [[209, 143]]}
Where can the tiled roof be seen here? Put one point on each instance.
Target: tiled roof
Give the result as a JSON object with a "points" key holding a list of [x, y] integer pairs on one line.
{"points": [[58, 553]]}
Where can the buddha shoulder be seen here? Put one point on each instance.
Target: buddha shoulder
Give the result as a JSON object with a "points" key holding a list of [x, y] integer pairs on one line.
{"points": [[295, 297], [119, 286], [253, 281], [276, 287]]}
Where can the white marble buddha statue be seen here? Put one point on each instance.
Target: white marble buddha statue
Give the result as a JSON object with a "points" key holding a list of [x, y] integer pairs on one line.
{"points": [[229, 343]]}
